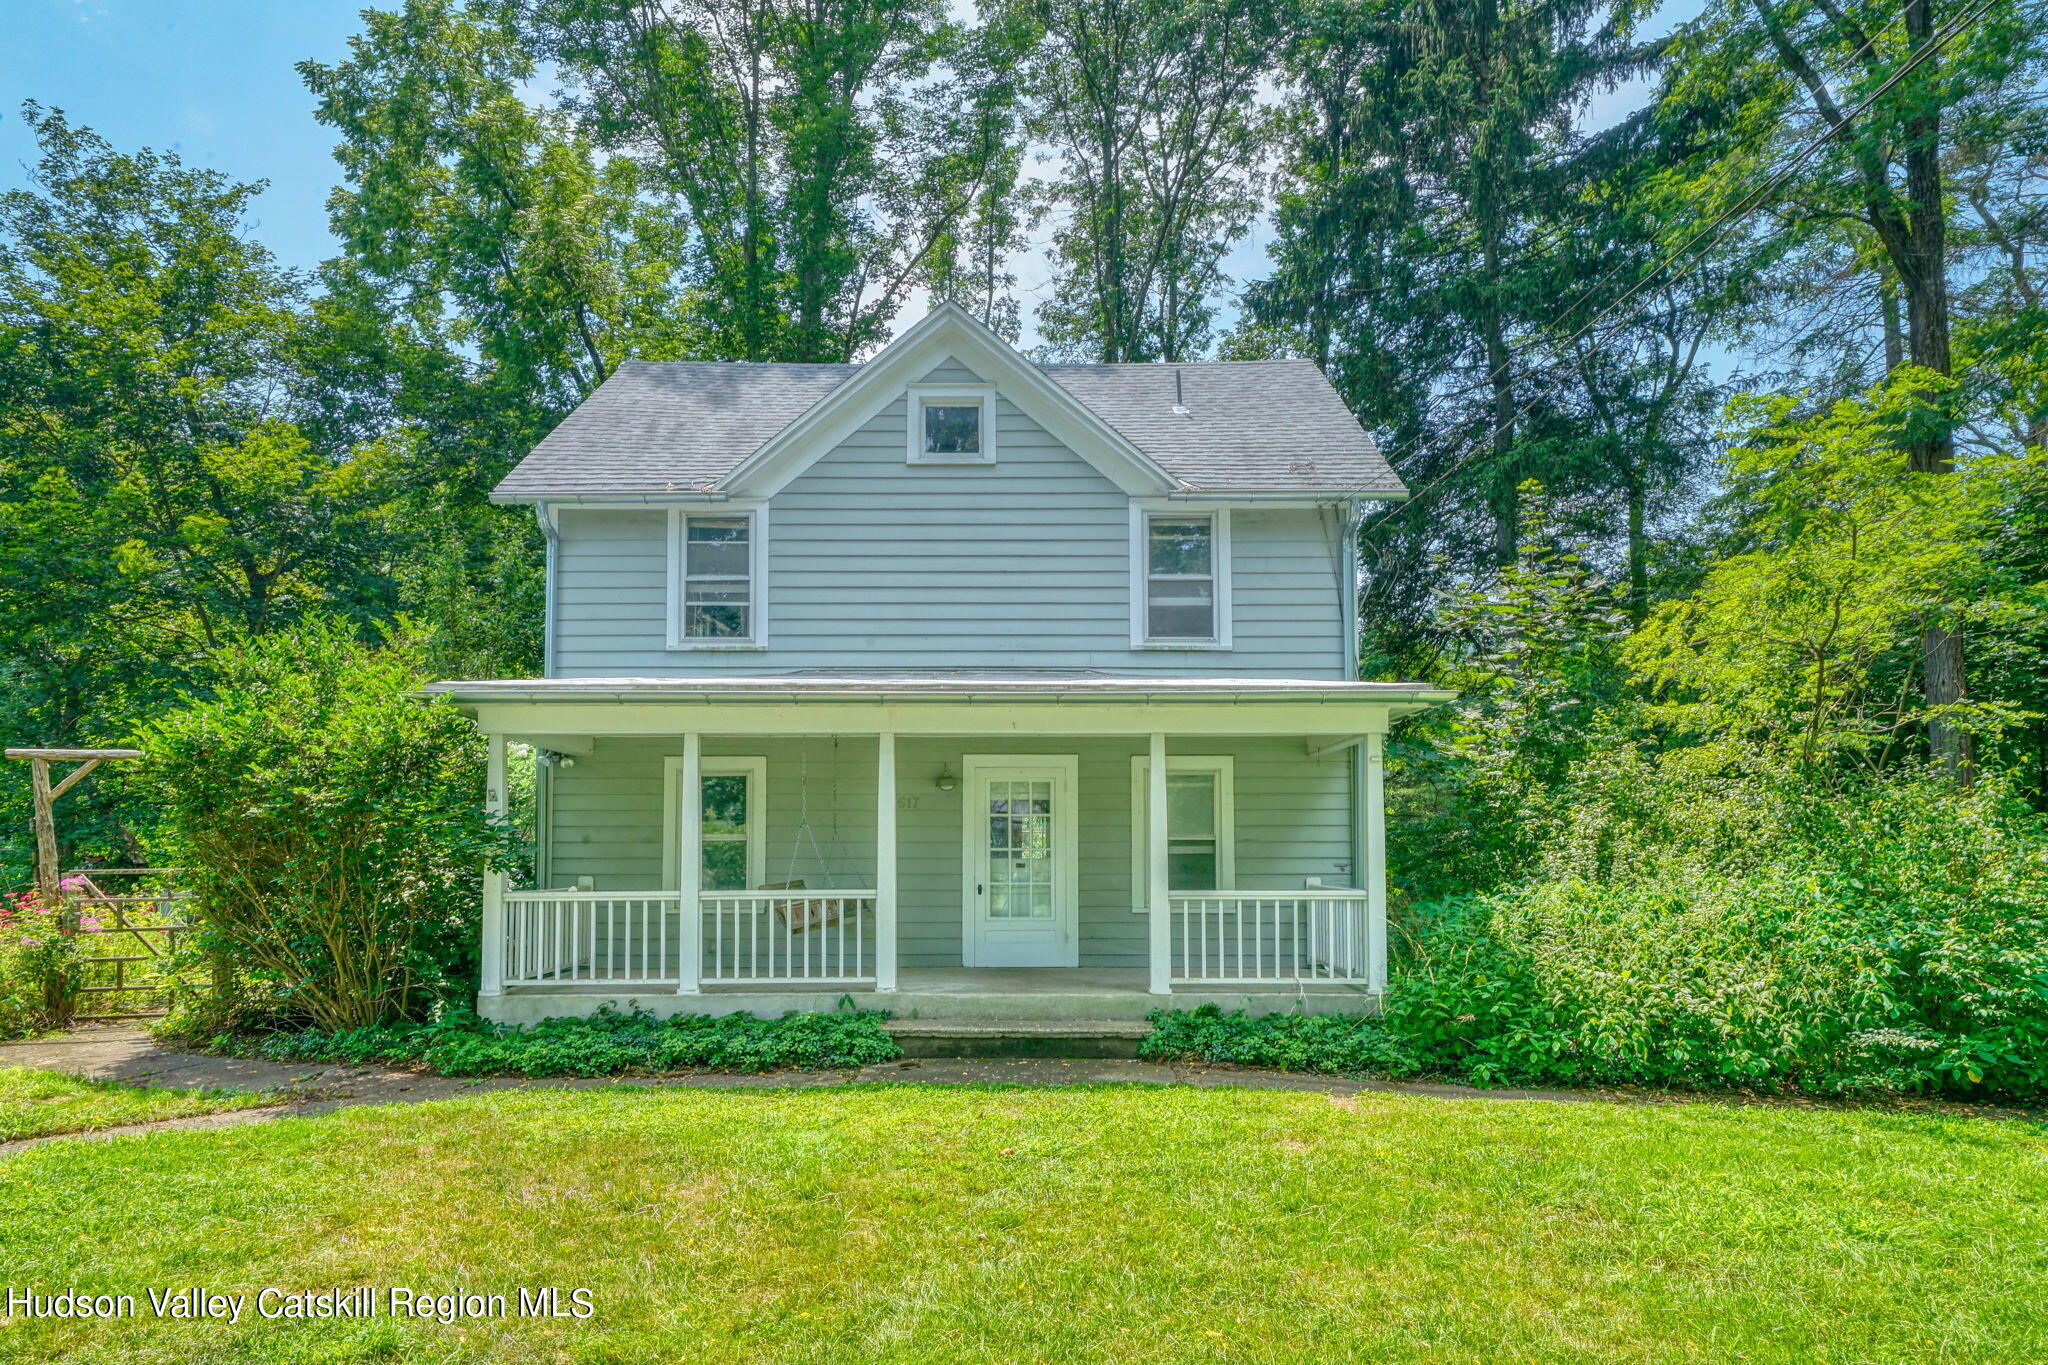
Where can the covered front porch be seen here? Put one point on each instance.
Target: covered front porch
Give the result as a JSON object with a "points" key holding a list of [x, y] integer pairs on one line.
{"points": [[941, 848]]}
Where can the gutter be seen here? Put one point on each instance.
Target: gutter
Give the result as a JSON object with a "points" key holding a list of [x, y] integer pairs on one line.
{"points": [[587, 499], [1415, 697]]}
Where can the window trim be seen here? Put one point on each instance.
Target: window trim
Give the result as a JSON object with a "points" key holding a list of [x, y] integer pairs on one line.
{"points": [[918, 396], [753, 767], [1142, 513], [1224, 768], [757, 576]]}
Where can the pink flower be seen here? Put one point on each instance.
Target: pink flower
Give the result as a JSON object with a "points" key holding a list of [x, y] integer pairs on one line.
{"points": [[71, 884], [87, 924], [31, 942]]}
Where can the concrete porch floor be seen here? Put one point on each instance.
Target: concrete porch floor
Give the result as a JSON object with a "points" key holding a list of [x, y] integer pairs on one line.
{"points": [[942, 993]]}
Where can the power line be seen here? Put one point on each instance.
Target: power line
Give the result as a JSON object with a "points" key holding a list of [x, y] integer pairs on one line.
{"points": [[1725, 221], [1557, 235]]}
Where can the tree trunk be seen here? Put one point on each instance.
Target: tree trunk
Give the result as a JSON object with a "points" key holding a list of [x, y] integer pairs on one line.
{"points": [[1923, 275], [1638, 553]]}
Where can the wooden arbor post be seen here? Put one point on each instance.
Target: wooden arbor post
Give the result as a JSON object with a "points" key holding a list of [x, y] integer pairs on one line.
{"points": [[39, 761]]}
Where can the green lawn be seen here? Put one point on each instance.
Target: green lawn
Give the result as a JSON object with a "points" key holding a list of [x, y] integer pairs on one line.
{"points": [[1088, 1224], [39, 1103]]}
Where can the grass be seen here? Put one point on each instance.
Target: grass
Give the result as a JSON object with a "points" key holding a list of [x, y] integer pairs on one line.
{"points": [[42, 1103], [1126, 1224]]}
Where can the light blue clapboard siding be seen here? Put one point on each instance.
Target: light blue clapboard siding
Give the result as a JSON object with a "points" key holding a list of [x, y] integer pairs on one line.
{"points": [[1293, 822], [875, 563]]}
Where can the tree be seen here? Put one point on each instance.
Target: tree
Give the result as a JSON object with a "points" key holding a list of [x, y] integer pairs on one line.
{"points": [[1807, 631], [829, 156], [1431, 210], [1884, 88], [159, 492], [1148, 106]]}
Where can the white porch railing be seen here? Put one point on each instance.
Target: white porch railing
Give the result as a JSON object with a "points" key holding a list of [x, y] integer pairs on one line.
{"points": [[555, 938], [1269, 938], [789, 937]]}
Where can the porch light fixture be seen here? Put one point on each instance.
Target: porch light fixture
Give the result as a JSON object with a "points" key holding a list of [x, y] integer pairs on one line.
{"points": [[945, 781]]}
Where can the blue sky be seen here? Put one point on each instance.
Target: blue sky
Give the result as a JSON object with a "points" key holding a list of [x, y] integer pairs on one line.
{"points": [[209, 79], [213, 81]]}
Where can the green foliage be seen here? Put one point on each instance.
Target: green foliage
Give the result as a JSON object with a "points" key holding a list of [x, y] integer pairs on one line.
{"points": [[1760, 935], [607, 1043], [38, 964], [1149, 108], [829, 157], [329, 824], [1542, 687], [1341, 1044], [1811, 628]]}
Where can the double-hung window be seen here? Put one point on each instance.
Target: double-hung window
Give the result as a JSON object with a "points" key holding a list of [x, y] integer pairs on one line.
{"points": [[717, 558], [735, 857], [1184, 559], [1200, 814]]}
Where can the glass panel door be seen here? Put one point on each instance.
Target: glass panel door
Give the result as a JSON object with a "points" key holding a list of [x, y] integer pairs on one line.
{"points": [[1020, 850], [1018, 835]]}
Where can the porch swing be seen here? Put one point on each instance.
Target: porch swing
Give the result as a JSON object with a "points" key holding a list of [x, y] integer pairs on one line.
{"points": [[800, 914]]}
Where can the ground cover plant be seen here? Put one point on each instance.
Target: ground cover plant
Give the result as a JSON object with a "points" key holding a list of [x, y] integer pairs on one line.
{"points": [[36, 1103], [607, 1043], [1137, 1224]]}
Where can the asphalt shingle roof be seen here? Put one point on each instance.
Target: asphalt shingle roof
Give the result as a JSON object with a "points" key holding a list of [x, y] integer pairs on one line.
{"points": [[679, 426]]}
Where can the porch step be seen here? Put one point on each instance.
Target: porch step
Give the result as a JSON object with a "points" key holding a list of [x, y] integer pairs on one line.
{"points": [[1018, 1037]]}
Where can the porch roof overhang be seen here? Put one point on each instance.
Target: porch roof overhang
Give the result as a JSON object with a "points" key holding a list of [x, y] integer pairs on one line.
{"points": [[943, 703]]}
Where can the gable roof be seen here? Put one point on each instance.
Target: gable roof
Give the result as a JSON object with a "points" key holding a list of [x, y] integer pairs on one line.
{"points": [[658, 430]]}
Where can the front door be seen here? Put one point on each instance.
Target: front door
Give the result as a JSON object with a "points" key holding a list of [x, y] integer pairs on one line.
{"points": [[1021, 890]]}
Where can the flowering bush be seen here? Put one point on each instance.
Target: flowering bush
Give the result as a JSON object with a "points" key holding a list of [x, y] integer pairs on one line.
{"points": [[38, 962]]}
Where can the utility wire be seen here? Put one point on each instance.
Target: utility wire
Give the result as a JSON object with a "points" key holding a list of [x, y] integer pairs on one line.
{"points": [[1725, 222]]}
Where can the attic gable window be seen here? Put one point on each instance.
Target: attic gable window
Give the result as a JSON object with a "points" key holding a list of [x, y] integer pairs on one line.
{"points": [[715, 579], [951, 426]]}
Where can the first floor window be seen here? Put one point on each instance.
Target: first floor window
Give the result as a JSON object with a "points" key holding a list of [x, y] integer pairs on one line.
{"points": [[1180, 578], [726, 831], [1199, 836], [718, 578], [733, 809]]}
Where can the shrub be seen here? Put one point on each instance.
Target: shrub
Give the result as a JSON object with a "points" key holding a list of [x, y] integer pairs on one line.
{"points": [[1344, 1044], [38, 964], [1878, 937], [331, 826], [605, 1044]]}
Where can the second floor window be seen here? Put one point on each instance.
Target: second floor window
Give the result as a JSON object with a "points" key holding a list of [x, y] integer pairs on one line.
{"points": [[718, 578], [1180, 578]]}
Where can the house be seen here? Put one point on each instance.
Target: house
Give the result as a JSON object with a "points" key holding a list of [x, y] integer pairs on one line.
{"points": [[951, 683]]}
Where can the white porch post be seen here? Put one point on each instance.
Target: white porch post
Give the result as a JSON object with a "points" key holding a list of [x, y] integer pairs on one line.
{"points": [[493, 973], [1160, 913], [1375, 863], [690, 869], [885, 861]]}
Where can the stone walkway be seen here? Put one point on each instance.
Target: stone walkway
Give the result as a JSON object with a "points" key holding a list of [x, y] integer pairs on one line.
{"points": [[131, 1056]]}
